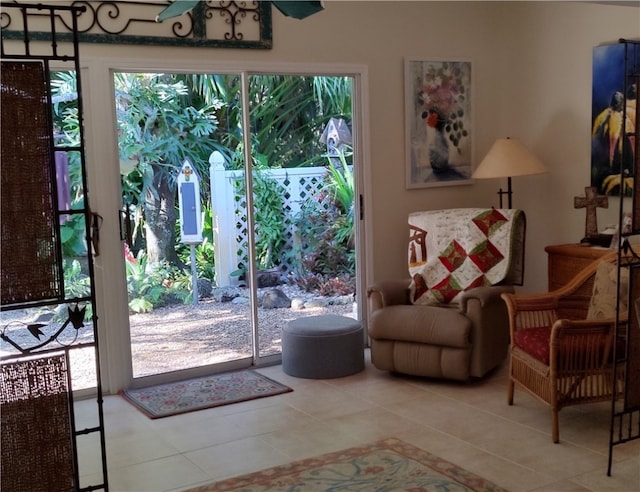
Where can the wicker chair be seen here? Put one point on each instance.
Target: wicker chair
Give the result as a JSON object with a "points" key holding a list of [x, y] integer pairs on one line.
{"points": [[557, 354]]}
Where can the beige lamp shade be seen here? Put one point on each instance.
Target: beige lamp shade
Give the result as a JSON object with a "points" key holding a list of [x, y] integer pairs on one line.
{"points": [[506, 158]]}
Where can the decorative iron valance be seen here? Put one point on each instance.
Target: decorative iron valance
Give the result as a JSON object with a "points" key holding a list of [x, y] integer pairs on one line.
{"points": [[211, 23]]}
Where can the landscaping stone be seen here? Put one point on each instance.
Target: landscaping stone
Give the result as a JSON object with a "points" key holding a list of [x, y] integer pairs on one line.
{"points": [[275, 299]]}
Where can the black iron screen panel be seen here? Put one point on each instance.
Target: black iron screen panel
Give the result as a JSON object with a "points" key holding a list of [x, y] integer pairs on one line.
{"points": [[30, 248], [36, 436], [211, 23]]}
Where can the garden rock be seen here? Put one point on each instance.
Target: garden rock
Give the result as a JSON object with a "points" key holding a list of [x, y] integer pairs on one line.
{"points": [[316, 303], [274, 299], [240, 300], [297, 303], [268, 278], [224, 294], [204, 288]]}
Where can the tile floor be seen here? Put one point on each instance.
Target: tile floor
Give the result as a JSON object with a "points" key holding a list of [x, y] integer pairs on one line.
{"points": [[468, 424]]}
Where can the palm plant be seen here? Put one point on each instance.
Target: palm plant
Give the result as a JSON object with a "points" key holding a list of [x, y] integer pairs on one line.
{"points": [[158, 130], [288, 113]]}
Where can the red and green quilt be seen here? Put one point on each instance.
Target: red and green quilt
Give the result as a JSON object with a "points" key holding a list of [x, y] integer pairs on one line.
{"points": [[453, 250]]}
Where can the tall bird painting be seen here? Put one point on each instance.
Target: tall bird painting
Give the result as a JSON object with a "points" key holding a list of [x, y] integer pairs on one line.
{"points": [[613, 119]]}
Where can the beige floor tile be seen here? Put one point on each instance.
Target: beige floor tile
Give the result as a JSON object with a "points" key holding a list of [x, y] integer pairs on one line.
{"points": [[327, 402], [124, 450], [371, 425], [503, 472], [236, 458], [468, 424], [311, 440], [208, 432], [562, 486], [385, 391], [156, 476], [625, 477], [270, 419]]}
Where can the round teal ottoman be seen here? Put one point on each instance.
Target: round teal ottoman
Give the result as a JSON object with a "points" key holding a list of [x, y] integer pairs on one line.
{"points": [[321, 347]]}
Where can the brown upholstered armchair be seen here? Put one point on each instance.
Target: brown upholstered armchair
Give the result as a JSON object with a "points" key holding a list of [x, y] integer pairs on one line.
{"points": [[562, 341], [455, 339]]}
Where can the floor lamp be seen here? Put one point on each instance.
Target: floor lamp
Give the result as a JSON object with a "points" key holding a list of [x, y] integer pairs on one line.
{"points": [[507, 158]]}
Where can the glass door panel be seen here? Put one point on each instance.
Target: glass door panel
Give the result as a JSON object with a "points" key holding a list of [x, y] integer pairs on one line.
{"points": [[303, 200], [181, 316]]}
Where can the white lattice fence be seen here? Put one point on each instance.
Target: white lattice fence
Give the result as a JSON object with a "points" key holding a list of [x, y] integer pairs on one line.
{"points": [[295, 186]]}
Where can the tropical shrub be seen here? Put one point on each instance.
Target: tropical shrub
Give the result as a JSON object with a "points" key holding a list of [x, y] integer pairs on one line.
{"points": [[269, 219], [150, 285], [269, 214], [325, 245], [205, 254], [77, 284]]}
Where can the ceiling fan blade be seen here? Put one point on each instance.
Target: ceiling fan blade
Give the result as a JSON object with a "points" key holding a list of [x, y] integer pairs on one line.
{"points": [[176, 9], [298, 9], [290, 8]]}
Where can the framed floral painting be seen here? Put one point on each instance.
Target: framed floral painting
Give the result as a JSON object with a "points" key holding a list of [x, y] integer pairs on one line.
{"points": [[438, 107]]}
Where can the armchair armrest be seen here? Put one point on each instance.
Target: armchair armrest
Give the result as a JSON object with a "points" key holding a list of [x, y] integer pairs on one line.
{"points": [[484, 295], [582, 345], [486, 310], [388, 293]]}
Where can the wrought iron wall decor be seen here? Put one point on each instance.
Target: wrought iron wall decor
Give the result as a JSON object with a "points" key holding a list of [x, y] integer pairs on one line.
{"points": [[211, 23]]}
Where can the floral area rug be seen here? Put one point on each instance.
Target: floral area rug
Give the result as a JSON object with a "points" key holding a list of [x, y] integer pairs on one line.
{"points": [[384, 466], [205, 392]]}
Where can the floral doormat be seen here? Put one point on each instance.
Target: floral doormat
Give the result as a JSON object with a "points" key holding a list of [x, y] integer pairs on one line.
{"points": [[384, 466], [205, 392]]}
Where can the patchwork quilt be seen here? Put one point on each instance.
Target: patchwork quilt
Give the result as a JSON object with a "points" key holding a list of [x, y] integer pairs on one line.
{"points": [[453, 250]]}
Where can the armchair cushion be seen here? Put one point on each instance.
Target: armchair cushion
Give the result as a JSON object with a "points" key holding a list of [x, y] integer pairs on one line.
{"points": [[535, 342], [454, 250], [603, 299], [422, 324]]}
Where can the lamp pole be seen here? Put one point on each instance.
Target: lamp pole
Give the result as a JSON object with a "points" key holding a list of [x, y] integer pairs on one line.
{"points": [[508, 192]]}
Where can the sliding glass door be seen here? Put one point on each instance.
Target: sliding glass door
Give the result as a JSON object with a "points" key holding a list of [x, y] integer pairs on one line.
{"points": [[274, 234]]}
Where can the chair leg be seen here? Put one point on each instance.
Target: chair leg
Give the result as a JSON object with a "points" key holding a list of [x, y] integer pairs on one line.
{"points": [[555, 429], [511, 389]]}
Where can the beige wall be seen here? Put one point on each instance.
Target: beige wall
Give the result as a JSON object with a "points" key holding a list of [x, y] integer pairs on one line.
{"points": [[532, 80], [548, 104], [532, 72]]}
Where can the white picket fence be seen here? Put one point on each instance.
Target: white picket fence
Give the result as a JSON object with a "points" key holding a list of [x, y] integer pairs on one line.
{"points": [[230, 231]]}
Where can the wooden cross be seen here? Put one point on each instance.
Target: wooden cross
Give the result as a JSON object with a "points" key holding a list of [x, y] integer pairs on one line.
{"points": [[591, 201]]}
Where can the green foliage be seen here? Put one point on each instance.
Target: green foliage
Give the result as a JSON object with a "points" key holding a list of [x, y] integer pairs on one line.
{"points": [[269, 220], [73, 236], [150, 286], [67, 133], [164, 118], [288, 113], [205, 257], [76, 284], [269, 217], [160, 124], [325, 236], [64, 96]]}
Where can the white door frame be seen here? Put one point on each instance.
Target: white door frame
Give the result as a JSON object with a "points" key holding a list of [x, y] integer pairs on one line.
{"points": [[104, 186]]}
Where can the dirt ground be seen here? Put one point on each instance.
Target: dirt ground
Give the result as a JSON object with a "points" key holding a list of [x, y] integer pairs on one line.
{"points": [[186, 336], [180, 336]]}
